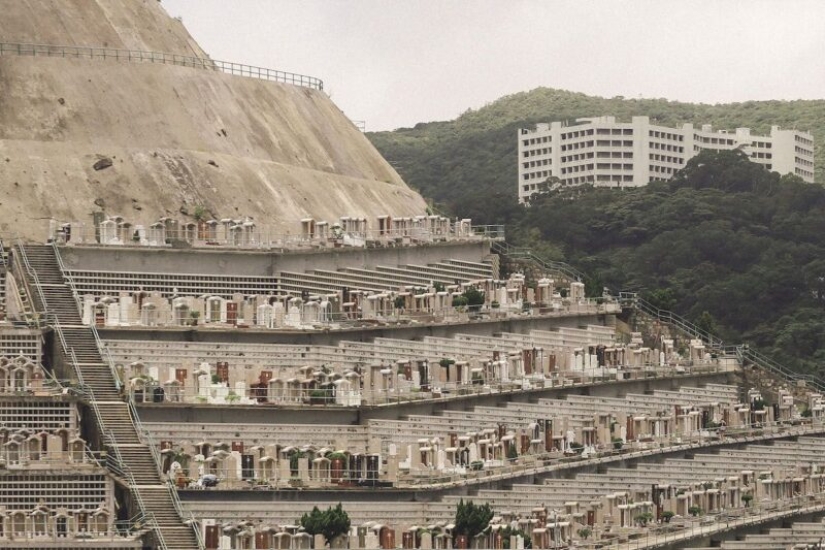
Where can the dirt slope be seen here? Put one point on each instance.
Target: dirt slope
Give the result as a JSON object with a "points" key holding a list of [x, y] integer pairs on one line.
{"points": [[178, 137]]}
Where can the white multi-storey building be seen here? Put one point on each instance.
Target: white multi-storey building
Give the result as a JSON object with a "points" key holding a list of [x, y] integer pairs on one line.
{"points": [[606, 153]]}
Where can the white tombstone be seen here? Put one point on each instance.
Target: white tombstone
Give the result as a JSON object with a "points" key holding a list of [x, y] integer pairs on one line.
{"points": [[113, 314], [278, 315], [88, 310], [371, 540], [264, 317]]}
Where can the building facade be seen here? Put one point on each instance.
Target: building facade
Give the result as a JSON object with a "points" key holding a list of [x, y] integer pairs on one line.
{"points": [[605, 153]]}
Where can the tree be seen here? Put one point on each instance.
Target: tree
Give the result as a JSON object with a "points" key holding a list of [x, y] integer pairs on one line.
{"points": [[695, 511], [330, 523], [471, 520], [643, 519], [584, 533], [508, 532], [474, 296], [746, 499], [512, 452]]}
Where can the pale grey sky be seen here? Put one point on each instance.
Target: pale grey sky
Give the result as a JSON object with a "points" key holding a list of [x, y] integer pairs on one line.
{"points": [[394, 63]]}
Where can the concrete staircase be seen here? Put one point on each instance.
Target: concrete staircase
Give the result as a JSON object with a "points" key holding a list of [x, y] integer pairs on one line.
{"points": [[135, 462]]}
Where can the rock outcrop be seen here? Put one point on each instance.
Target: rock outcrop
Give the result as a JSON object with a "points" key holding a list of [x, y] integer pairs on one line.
{"points": [[145, 140]]}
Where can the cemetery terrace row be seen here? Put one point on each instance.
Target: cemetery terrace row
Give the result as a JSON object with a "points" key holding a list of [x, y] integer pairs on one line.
{"points": [[387, 369], [618, 505], [308, 303], [246, 233], [428, 448]]}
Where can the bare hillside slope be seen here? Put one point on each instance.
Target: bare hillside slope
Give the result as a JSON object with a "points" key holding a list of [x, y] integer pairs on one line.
{"points": [[179, 137], [122, 24]]}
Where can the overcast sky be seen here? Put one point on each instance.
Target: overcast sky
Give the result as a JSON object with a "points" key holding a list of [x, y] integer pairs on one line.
{"points": [[394, 63]]}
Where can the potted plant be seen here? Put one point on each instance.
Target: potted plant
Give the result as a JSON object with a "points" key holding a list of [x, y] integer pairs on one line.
{"points": [[193, 318]]}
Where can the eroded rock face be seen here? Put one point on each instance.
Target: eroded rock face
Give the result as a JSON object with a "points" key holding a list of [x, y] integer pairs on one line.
{"points": [[176, 136]]}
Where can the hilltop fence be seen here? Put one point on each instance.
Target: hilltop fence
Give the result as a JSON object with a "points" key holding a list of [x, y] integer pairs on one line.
{"points": [[136, 56]]}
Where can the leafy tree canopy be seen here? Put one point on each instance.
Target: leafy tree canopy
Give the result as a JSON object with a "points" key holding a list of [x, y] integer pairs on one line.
{"points": [[332, 522], [471, 520]]}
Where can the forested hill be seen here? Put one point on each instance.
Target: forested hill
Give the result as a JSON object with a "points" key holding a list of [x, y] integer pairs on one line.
{"points": [[476, 153], [726, 243]]}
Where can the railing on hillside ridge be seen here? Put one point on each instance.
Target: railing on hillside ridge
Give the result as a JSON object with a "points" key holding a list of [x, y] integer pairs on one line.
{"points": [[136, 56], [765, 362], [716, 344], [713, 342], [522, 254]]}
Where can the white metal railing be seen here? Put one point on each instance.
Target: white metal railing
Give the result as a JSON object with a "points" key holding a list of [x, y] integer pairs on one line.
{"points": [[136, 56]]}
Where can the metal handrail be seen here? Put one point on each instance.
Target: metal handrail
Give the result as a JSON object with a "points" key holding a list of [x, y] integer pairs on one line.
{"points": [[717, 344], [516, 253], [146, 436], [190, 516], [712, 341], [767, 363], [123, 469], [33, 274], [118, 465], [137, 56], [105, 354]]}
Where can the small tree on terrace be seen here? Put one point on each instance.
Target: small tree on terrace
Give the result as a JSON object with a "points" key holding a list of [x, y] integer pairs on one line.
{"points": [[474, 297], [470, 520], [331, 522]]}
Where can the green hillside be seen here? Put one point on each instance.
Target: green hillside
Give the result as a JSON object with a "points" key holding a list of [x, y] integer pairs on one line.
{"points": [[727, 244], [476, 153]]}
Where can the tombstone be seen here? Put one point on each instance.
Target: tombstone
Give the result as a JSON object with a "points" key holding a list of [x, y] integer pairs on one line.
{"points": [[54, 446], [264, 315], [303, 469], [371, 540], [278, 315], [284, 470], [113, 314], [293, 317], [108, 232]]}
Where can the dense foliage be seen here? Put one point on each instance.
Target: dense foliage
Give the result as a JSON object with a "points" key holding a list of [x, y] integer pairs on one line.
{"points": [[331, 522], [732, 247], [735, 248], [472, 519], [464, 163]]}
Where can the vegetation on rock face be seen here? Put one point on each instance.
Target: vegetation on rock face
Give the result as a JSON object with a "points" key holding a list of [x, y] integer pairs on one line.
{"points": [[734, 248]]}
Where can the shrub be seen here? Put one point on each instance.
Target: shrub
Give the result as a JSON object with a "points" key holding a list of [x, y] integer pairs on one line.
{"points": [[470, 520], [331, 522]]}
